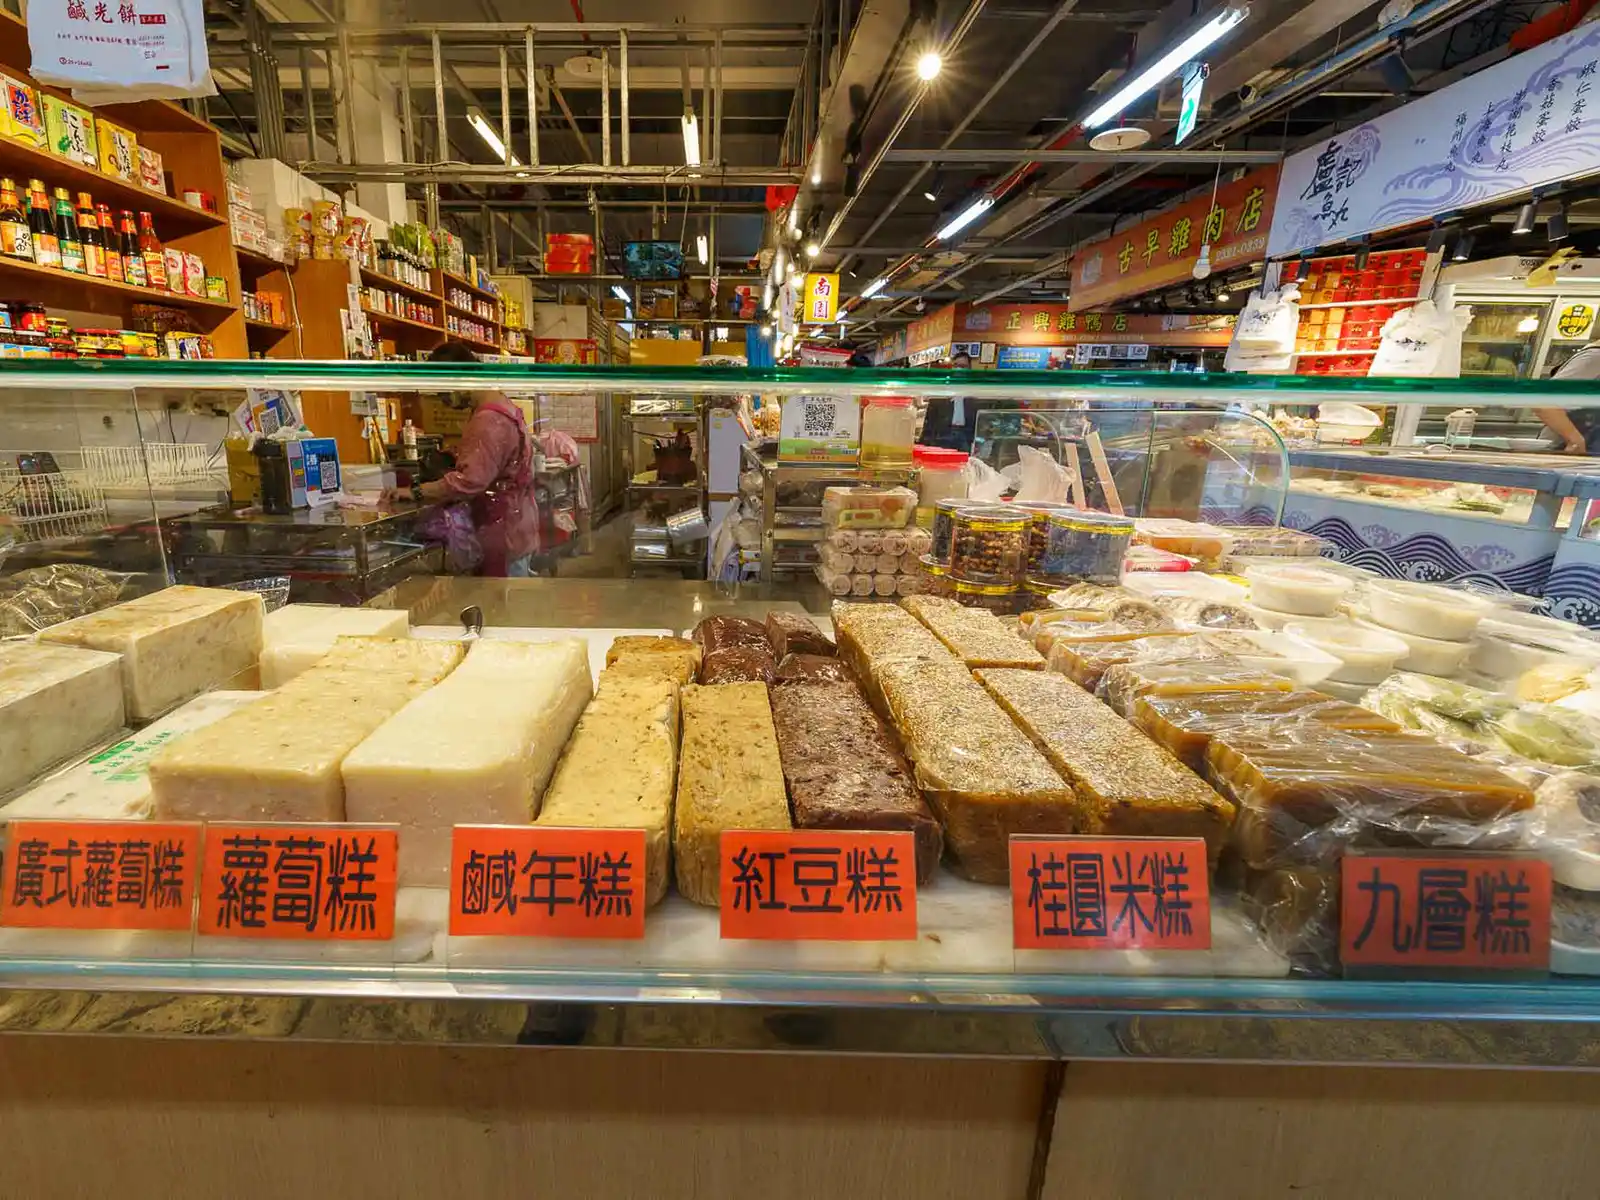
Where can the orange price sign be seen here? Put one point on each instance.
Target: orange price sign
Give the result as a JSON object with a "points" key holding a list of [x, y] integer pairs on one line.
{"points": [[1100, 893], [1474, 912], [532, 881], [305, 882], [824, 885], [100, 875]]}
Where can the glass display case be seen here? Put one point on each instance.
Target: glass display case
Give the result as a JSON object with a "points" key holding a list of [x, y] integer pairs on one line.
{"points": [[922, 708]]}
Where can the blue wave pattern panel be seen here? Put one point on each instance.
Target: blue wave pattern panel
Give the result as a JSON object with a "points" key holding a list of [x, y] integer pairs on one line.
{"points": [[1425, 557], [1573, 591]]}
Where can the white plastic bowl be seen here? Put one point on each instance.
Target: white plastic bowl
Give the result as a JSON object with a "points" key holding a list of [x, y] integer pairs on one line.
{"points": [[1426, 610], [1305, 591], [1365, 654], [1427, 656]]}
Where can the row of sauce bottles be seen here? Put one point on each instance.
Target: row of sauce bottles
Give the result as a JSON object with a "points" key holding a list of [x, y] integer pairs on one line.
{"points": [[84, 240]]}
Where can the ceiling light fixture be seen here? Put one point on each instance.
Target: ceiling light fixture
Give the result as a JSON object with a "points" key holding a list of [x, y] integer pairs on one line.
{"points": [[873, 288], [1222, 296], [766, 330], [1527, 217], [1167, 64], [691, 138], [816, 173], [967, 216], [491, 138], [621, 293], [703, 248], [1463, 249], [1363, 254], [812, 249], [929, 65], [931, 191]]}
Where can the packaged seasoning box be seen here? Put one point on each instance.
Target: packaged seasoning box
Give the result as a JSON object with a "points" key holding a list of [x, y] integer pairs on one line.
{"points": [[119, 151], [20, 119], [69, 131], [152, 171]]}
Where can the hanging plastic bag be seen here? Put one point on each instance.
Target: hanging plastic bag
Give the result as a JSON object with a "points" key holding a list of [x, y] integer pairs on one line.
{"points": [[1043, 479], [1267, 324], [1414, 342], [451, 526], [1458, 318], [118, 51], [983, 481]]}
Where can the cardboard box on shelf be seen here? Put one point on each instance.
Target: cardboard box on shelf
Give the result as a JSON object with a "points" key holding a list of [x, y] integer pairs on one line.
{"points": [[152, 170], [20, 119], [119, 151]]}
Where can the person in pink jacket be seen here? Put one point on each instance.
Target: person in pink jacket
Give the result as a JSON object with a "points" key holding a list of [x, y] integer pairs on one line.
{"points": [[493, 476]]}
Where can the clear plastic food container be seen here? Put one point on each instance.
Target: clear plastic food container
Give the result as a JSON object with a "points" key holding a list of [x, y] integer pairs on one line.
{"points": [[998, 598], [1208, 543], [888, 429], [867, 507], [1509, 644], [944, 517], [1365, 654], [1273, 541], [989, 544], [1427, 656], [1304, 591], [1067, 545], [936, 579], [1424, 609], [941, 474]]}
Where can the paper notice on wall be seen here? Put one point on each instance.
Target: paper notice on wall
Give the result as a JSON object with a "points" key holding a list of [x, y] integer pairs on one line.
{"points": [[115, 51]]}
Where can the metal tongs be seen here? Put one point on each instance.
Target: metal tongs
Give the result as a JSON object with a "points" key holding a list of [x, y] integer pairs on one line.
{"points": [[471, 622]]}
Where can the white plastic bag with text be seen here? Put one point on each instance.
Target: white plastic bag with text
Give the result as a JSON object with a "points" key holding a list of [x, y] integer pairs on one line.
{"points": [[115, 51]]}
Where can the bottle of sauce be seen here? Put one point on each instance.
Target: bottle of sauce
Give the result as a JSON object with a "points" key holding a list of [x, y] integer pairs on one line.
{"points": [[110, 243], [155, 262], [46, 246], [94, 252], [16, 239], [132, 261], [67, 234]]}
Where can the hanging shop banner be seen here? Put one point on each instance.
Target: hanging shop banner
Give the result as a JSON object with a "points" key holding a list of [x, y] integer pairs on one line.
{"points": [[1023, 358], [1162, 251], [891, 349], [821, 299], [932, 332], [1524, 123], [120, 50], [1058, 325]]}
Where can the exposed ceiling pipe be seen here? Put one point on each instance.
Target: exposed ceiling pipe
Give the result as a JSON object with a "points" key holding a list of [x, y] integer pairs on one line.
{"points": [[946, 51], [1425, 20], [1044, 31]]}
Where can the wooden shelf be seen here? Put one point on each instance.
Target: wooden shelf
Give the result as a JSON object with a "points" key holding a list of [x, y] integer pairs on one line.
{"points": [[172, 216], [379, 279], [61, 289], [468, 313], [250, 262], [405, 322], [473, 343], [267, 327], [467, 285], [1329, 353]]}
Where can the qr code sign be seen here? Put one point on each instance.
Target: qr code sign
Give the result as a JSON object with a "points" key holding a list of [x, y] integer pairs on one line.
{"points": [[817, 420]]}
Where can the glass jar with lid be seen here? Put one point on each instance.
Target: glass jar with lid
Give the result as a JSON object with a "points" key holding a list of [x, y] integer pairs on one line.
{"points": [[888, 429]]}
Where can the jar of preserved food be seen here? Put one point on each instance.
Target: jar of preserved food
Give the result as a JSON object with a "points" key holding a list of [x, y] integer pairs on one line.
{"points": [[888, 428], [1080, 546], [1034, 596], [944, 515], [989, 544], [998, 598], [31, 318], [936, 579], [941, 475]]}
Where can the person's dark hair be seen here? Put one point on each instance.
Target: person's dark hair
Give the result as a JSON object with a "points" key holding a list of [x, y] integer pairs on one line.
{"points": [[453, 352], [959, 358], [861, 358]]}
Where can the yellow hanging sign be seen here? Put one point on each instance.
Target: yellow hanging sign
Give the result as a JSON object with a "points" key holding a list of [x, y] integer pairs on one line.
{"points": [[820, 299]]}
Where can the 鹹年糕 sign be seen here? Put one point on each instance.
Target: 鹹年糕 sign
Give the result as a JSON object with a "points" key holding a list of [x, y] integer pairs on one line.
{"points": [[527, 881]]}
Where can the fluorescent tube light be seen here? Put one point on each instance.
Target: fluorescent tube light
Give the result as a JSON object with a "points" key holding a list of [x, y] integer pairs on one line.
{"points": [[1167, 65], [703, 248], [621, 293], [691, 138], [967, 216], [491, 137], [873, 288]]}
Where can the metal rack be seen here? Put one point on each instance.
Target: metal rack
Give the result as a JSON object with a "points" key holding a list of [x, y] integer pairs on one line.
{"points": [[648, 541], [800, 525]]}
